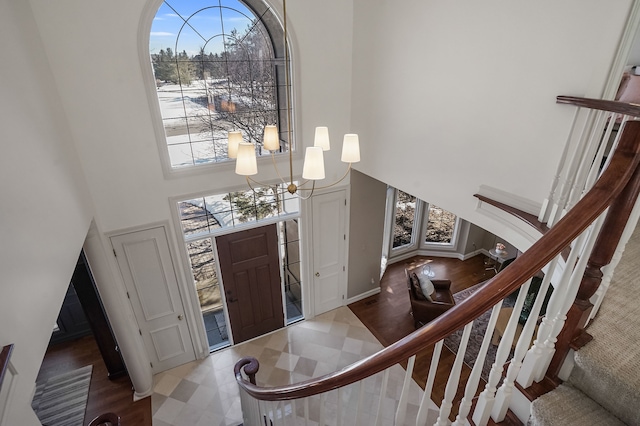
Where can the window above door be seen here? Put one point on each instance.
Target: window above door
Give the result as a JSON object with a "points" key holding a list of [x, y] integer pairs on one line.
{"points": [[217, 67]]}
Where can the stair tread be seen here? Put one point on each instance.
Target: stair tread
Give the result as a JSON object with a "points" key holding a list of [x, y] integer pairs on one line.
{"points": [[607, 367], [568, 406]]}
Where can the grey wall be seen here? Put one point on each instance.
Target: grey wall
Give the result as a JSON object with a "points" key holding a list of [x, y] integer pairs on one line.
{"points": [[475, 239], [366, 225]]}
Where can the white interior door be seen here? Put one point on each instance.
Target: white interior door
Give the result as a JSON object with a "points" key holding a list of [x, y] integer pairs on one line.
{"points": [[145, 261], [329, 241]]}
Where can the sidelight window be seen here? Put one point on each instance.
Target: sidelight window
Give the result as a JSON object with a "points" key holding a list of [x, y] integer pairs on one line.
{"points": [[203, 218]]}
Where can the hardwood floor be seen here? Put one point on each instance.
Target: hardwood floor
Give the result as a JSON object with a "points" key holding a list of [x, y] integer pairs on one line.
{"points": [[104, 395], [388, 314]]}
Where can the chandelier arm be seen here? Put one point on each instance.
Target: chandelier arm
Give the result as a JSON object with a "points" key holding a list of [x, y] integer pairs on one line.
{"points": [[339, 180], [310, 194], [249, 180], [273, 159]]}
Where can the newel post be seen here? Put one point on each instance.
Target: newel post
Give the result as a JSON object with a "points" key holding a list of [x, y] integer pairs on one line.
{"points": [[573, 335]]}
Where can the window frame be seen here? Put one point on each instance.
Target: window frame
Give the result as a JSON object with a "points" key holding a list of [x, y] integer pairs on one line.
{"points": [[425, 224], [421, 220], [200, 336], [417, 226], [271, 18]]}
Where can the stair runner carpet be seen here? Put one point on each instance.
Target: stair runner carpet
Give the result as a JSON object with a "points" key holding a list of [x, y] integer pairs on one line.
{"points": [[607, 369]]}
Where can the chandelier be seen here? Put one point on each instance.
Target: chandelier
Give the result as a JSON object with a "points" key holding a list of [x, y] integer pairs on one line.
{"points": [[313, 166]]}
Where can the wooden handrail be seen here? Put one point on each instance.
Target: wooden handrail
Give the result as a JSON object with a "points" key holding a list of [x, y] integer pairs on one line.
{"points": [[5, 355], [613, 180], [602, 105]]}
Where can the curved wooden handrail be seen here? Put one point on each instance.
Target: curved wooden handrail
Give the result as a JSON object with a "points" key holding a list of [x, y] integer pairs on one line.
{"points": [[5, 355], [602, 105], [611, 183]]}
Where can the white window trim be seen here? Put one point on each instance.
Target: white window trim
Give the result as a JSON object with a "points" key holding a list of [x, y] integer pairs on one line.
{"points": [[418, 245], [415, 242], [144, 29], [437, 246]]}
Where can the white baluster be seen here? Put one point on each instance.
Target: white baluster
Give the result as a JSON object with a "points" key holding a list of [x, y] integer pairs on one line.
{"points": [[529, 368], [503, 395], [423, 411], [383, 391], [537, 359], [474, 377], [571, 292], [306, 411], [360, 401], [323, 409], [596, 165], [625, 118], [401, 411], [250, 408], [339, 406], [550, 200], [570, 171], [454, 378], [486, 398], [586, 163]]}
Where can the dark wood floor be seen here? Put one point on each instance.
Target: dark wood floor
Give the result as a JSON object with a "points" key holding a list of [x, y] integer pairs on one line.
{"points": [[388, 314], [104, 395]]}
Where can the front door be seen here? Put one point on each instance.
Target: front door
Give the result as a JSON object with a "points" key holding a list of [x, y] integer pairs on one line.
{"points": [[250, 268], [147, 268]]}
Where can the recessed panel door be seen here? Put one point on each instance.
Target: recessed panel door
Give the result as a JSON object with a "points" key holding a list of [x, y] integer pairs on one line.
{"points": [[329, 241], [149, 275], [250, 267]]}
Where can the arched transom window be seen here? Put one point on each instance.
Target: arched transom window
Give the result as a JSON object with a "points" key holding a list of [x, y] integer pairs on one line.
{"points": [[217, 66]]}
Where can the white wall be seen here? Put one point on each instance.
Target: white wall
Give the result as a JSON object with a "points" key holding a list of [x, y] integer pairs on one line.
{"points": [[443, 95], [94, 56], [45, 210], [93, 50], [452, 95]]}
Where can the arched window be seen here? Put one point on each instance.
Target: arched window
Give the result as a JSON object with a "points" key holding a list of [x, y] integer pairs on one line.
{"points": [[218, 66]]}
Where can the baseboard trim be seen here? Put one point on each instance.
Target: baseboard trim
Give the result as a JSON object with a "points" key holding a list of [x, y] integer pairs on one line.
{"points": [[363, 295]]}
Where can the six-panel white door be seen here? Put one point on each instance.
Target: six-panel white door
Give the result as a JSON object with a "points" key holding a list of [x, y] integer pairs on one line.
{"points": [[148, 271]]}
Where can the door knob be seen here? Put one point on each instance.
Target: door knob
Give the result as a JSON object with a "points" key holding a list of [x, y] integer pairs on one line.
{"points": [[317, 274], [180, 317]]}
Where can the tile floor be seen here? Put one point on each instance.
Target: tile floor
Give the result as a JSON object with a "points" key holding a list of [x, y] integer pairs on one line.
{"points": [[204, 392]]}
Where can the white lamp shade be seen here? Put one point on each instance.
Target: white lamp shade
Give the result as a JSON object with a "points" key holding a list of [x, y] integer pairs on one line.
{"points": [[235, 138], [271, 141], [322, 138], [350, 148], [246, 164], [313, 167]]}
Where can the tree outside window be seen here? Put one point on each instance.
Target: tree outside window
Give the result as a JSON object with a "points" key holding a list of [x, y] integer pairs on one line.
{"points": [[216, 70], [441, 225], [405, 210]]}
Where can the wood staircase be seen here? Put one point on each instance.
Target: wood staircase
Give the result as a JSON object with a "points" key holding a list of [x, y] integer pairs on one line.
{"points": [[592, 227]]}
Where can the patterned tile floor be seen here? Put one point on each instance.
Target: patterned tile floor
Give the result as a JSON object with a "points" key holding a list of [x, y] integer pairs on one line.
{"points": [[204, 392]]}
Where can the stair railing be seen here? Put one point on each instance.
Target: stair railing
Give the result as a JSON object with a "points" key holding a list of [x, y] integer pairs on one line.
{"points": [[341, 397]]}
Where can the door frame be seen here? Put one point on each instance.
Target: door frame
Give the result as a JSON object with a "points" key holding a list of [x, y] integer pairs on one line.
{"points": [[306, 229], [187, 305], [199, 333]]}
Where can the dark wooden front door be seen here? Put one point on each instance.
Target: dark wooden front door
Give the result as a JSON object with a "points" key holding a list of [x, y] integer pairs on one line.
{"points": [[251, 275]]}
